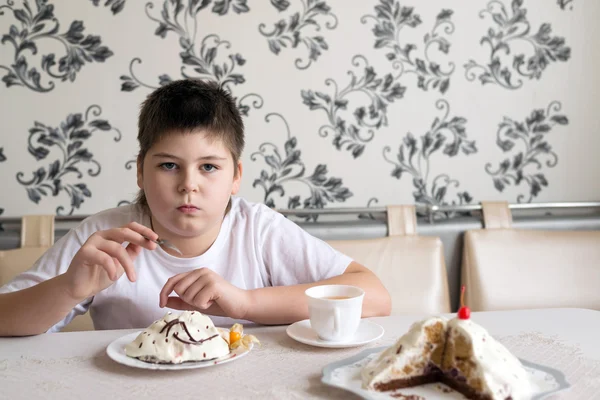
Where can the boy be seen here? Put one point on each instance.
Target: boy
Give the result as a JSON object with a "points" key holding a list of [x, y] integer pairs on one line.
{"points": [[240, 260]]}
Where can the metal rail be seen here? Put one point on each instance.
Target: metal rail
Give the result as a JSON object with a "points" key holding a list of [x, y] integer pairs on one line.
{"points": [[420, 208]]}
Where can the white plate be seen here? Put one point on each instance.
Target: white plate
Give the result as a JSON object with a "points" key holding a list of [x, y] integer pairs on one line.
{"points": [[367, 332], [116, 351], [345, 374]]}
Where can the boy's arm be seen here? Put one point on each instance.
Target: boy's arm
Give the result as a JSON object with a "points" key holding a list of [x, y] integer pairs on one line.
{"points": [[288, 304], [96, 265], [36, 309]]}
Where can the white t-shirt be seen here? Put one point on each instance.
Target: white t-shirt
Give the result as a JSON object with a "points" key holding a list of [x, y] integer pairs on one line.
{"points": [[256, 247]]}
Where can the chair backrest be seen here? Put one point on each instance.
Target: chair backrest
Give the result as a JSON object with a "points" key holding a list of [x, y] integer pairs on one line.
{"points": [[37, 236], [505, 268], [411, 267]]}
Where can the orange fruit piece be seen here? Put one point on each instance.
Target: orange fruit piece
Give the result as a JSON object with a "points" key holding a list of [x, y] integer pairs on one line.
{"points": [[234, 337]]}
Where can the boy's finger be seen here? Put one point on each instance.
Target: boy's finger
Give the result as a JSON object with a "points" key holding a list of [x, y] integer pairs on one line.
{"points": [[133, 250], [142, 230], [203, 299], [125, 234], [190, 279], [190, 291], [117, 251], [177, 304], [106, 262], [118, 268], [168, 288]]}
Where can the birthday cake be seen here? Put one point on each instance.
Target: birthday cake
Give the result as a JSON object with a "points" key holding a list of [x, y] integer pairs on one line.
{"points": [[457, 352], [188, 336]]}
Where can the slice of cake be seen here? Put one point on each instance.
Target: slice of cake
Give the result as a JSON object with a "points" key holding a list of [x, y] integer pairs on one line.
{"points": [[174, 339], [413, 360], [457, 352], [479, 366]]}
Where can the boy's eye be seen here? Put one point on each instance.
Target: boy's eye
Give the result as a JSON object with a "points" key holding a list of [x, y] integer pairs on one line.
{"points": [[208, 167], [168, 166]]}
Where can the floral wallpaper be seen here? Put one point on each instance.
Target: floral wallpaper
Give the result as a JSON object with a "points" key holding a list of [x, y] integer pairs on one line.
{"points": [[345, 103]]}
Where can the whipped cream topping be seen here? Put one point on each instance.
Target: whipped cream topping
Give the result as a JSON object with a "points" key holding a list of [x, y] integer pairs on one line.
{"points": [[500, 373], [494, 371], [188, 336], [408, 357]]}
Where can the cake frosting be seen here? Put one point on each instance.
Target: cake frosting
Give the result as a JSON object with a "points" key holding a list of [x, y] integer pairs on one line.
{"points": [[487, 366], [457, 352], [178, 338], [411, 360]]}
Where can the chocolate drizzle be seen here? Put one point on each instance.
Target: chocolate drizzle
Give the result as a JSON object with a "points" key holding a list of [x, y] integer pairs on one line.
{"points": [[176, 321], [169, 325], [188, 332], [196, 342]]}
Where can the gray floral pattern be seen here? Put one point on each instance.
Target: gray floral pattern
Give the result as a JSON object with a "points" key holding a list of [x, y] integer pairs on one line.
{"points": [[203, 63], [526, 165], [513, 26], [37, 26], [291, 33], [222, 7], [116, 6], [287, 167], [378, 91], [280, 5], [390, 18], [68, 141], [565, 3], [447, 136]]}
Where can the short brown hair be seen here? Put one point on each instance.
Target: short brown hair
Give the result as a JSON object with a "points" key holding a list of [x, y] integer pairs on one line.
{"points": [[186, 105]]}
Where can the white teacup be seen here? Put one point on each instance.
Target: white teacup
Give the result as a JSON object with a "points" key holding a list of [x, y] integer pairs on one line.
{"points": [[335, 311]]}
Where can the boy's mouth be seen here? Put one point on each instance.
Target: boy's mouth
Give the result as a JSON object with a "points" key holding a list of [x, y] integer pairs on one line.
{"points": [[187, 208]]}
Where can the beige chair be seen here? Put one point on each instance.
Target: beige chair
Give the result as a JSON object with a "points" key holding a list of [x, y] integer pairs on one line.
{"points": [[411, 267], [505, 268], [37, 236]]}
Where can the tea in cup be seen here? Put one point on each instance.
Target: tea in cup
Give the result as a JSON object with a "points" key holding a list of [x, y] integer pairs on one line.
{"points": [[335, 311]]}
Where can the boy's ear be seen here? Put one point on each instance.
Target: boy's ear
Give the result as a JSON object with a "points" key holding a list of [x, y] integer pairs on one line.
{"points": [[237, 178], [140, 172]]}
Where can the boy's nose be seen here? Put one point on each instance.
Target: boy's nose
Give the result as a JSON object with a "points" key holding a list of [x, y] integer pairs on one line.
{"points": [[188, 184]]}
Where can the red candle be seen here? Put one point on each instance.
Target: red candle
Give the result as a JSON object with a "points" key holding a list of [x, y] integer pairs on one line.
{"points": [[464, 312]]}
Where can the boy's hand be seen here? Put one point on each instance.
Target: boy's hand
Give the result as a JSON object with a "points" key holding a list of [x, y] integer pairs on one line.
{"points": [[102, 259], [205, 290]]}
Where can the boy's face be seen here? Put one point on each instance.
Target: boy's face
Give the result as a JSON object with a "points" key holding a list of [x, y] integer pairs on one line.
{"points": [[188, 180]]}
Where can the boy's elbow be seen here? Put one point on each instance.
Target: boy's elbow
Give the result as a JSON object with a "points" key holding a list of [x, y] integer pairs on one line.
{"points": [[384, 301], [381, 305], [386, 304]]}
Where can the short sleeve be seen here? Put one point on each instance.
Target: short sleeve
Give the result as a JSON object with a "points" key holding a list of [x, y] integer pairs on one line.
{"points": [[53, 262], [293, 256]]}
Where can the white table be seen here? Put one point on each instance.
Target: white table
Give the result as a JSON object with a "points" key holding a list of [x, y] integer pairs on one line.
{"points": [[75, 365]]}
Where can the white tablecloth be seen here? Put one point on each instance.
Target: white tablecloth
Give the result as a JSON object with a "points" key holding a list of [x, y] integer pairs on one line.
{"points": [[75, 365]]}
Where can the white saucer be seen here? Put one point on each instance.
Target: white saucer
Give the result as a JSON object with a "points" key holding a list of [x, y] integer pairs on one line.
{"points": [[367, 332]]}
